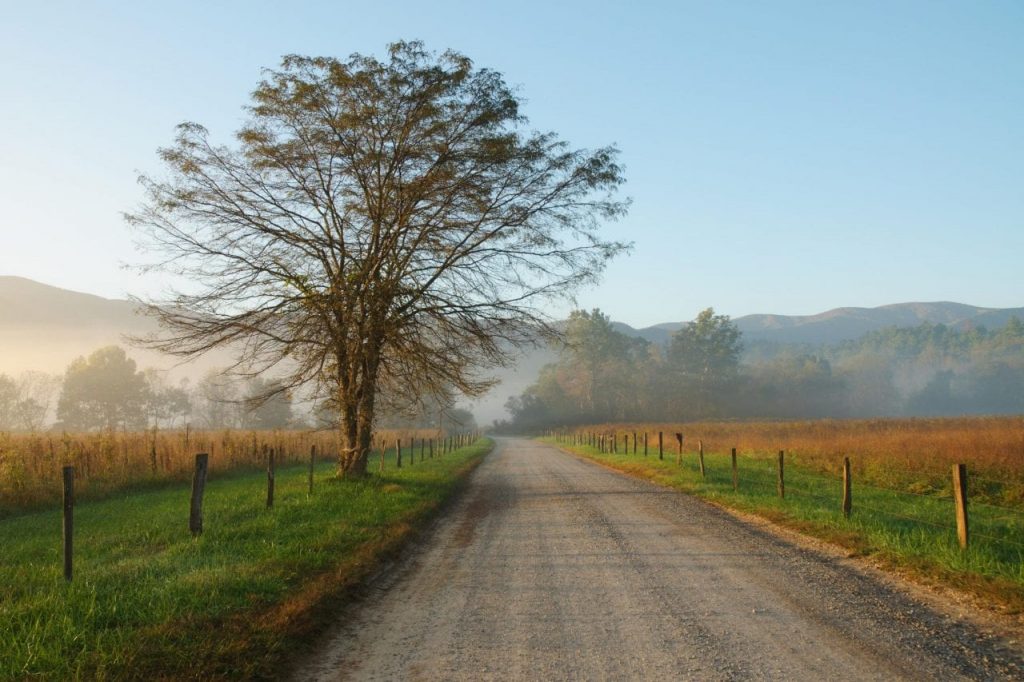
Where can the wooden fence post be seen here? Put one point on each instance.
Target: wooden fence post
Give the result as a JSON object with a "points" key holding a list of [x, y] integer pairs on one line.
{"points": [[645, 443], [270, 479], [398, 453], [782, 478], [431, 448], [634, 442], [960, 497], [700, 457], [383, 450], [312, 463], [423, 445], [679, 449], [661, 445], [69, 519], [195, 511], [847, 493], [735, 473]]}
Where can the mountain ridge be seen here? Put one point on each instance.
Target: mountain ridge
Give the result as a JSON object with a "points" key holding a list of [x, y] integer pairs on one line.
{"points": [[25, 302], [845, 323]]}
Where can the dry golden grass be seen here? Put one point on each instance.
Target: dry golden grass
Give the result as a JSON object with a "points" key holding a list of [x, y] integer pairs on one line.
{"points": [[914, 455], [30, 464]]}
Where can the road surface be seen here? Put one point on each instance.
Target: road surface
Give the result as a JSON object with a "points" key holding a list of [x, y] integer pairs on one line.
{"points": [[549, 568]]}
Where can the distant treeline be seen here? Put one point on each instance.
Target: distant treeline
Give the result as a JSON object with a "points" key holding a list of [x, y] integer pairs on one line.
{"points": [[707, 371], [106, 391]]}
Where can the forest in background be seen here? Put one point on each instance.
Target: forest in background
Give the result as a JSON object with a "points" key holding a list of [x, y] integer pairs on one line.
{"points": [[707, 371]]}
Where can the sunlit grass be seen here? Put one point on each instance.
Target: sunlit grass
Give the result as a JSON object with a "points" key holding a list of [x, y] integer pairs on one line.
{"points": [[149, 600], [913, 455], [108, 462]]}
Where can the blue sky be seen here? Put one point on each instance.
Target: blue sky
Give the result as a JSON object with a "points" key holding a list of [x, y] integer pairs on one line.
{"points": [[784, 157]]}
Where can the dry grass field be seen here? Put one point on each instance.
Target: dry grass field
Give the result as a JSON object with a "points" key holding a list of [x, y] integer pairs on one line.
{"points": [[30, 464], [911, 455]]}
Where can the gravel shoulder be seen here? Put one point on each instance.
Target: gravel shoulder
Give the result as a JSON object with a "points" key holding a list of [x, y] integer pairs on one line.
{"points": [[553, 567]]}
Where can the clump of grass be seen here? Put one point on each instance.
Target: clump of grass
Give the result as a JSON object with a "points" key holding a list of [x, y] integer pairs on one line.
{"points": [[148, 600]]}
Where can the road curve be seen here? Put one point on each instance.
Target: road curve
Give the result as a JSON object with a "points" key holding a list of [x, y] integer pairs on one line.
{"points": [[549, 567]]}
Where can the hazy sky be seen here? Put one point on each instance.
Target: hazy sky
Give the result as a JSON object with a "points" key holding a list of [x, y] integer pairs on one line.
{"points": [[782, 157]]}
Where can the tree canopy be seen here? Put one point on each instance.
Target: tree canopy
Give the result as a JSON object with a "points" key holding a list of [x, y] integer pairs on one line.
{"points": [[703, 359], [103, 391], [378, 228]]}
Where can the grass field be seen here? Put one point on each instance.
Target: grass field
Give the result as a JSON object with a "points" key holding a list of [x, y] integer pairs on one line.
{"points": [[912, 455], [903, 510], [149, 601], [107, 462]]}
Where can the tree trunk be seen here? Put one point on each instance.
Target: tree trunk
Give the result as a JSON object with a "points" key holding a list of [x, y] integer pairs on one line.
{"points": [[357, 420], [351, 459]]}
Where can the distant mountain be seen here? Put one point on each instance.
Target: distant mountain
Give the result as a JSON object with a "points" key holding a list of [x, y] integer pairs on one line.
{"points": [[841, 324], [25, 303], [44, 328]]}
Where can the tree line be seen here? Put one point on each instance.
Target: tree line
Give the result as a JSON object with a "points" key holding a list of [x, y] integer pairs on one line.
{"points": [[106, 390], [708, 371]]}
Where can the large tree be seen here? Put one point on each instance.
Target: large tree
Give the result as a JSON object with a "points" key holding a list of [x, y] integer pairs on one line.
{"points": [[378, 228]]}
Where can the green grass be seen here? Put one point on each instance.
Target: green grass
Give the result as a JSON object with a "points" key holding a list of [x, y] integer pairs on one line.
{"points": [[149, 601], [906, 530]]}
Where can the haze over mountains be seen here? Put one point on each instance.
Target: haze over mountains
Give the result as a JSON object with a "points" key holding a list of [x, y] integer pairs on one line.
{"points": [[45, 328], [841, 324]]}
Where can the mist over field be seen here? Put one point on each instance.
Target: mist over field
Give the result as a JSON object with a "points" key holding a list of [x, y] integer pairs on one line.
{"points": [[915, 359]]}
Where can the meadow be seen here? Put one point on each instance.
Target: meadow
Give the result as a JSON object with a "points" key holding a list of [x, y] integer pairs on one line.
{"points": [[107, 462], [902, 494], [150, 601]]}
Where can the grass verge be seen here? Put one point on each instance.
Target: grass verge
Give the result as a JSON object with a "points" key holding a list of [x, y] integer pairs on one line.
{"points": [[150, 602], [915, 533]]}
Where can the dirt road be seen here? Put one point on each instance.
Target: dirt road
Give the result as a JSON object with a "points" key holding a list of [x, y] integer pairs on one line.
{"points": [[552, 568]]}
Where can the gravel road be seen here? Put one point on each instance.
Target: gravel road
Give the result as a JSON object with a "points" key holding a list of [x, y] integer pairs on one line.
{"points": [[552, 568]]}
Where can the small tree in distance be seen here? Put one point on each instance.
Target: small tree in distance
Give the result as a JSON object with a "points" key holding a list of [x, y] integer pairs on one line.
{"points": [[704, 358], [103, 391], [380, 227]]}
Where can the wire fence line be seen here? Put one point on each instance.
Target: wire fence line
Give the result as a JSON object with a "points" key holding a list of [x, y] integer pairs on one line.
{"points": [[107, 463], [438, 447], [951, 511]]}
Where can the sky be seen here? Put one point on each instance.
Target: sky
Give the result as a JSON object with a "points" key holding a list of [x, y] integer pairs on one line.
{"points": [[782, 157]]}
